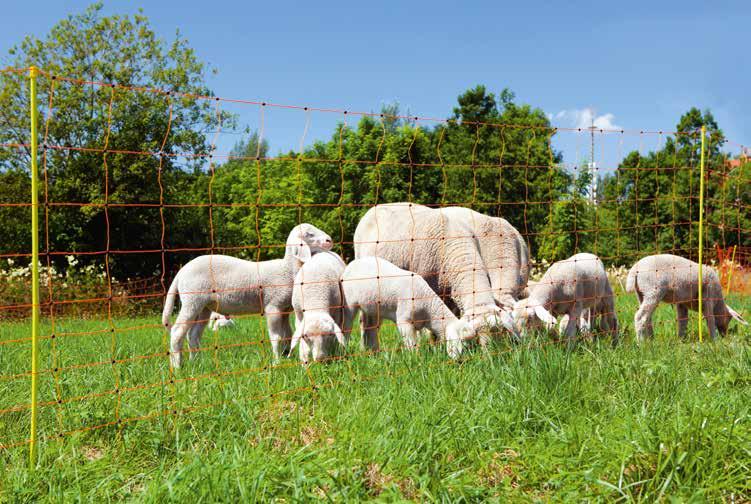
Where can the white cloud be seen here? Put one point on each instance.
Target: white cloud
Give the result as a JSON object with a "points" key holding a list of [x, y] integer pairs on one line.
{"points": [[586, 117]]}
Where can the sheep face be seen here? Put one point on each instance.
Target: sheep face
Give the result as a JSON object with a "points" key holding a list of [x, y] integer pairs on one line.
{"points": [[305, 240], [531, 315], [487, 316], [456, 333], [318, 337], [485, 321], [723, 318]]}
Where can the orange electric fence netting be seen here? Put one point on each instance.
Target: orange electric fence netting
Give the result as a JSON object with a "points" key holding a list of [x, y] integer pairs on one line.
{"points": [[157, 193]]}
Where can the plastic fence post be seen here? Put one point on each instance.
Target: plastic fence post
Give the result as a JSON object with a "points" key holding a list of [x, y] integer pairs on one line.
{"points": [[33, 72], [701, 227]]}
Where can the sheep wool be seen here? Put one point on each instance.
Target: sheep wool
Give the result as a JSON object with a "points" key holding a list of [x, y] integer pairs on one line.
{"points": [[229, 285], [570, 287], [383, 291], [502, 249], [319, 307], [675, 280], [442, 250]]}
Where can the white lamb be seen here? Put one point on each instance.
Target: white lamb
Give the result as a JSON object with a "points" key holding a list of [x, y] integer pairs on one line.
{"points": [[569, 287], [319, 307], [675, 280], [229, 285], [443, 250], [381, 290]]}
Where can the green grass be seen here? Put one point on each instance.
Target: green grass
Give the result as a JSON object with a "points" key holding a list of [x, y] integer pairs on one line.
{"points": [[525, 423]]}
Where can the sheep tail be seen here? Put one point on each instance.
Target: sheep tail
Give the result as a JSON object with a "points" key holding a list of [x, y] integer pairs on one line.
{"points": [[631, 280], [169, 303]]}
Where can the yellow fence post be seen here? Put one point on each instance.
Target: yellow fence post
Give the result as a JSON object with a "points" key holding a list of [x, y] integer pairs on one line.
{"points": [[34, 267], [701, 228]]}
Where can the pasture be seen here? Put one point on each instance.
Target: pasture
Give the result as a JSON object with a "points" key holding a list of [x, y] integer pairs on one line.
{"points": [[526, 422], [125, 156]]}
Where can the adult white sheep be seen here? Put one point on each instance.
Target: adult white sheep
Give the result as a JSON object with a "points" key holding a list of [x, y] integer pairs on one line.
{"points": [[675, 280], [444, 251], [319, 307], [229, 285], [382, 290], [569, 287], [503, 250]]}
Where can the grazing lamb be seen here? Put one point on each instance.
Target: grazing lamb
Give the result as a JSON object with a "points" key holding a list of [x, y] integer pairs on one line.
{"points": [[675, 280], [381, 290], [503, 251], [444, 251], [230, 285], [569, 287], [319, 307], [217, 320]]}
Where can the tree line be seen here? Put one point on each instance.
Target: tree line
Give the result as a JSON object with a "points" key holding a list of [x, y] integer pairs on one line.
{"points": [[493, 154]]}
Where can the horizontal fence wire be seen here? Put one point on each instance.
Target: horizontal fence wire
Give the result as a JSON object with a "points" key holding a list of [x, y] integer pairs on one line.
{"points": [[156, 197]]}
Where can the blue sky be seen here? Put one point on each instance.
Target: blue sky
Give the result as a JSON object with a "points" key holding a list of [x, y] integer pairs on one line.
{"points": [[638, 65]]}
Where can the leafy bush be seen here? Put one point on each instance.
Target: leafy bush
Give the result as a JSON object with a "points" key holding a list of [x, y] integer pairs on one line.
{"points": [[75, 290]]}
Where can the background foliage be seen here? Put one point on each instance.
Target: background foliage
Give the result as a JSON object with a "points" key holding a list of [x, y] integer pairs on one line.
{"points": [[494, 154]]}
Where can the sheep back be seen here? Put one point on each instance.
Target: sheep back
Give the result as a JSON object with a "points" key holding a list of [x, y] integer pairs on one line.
{"points": [[581, 277], [503, 250], [443, 251], [674, 280], [316, 286]]}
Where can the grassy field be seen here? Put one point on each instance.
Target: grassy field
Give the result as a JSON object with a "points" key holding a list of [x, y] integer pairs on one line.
{"points": [[525, 423]]}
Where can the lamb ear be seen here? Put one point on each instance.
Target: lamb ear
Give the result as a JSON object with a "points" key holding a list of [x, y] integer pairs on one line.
{"points": [[296, 337], [224, 322], [736, 315], [339, 335], [491, 319], [507, 321], [454, 348], [545, 316], [586, 321], [302, 252]]}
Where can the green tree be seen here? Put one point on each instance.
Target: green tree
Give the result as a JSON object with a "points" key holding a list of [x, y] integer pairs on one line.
{"points": [[570, 226], [729, 206], [500, 160], [81, 120], [651, 201]]}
